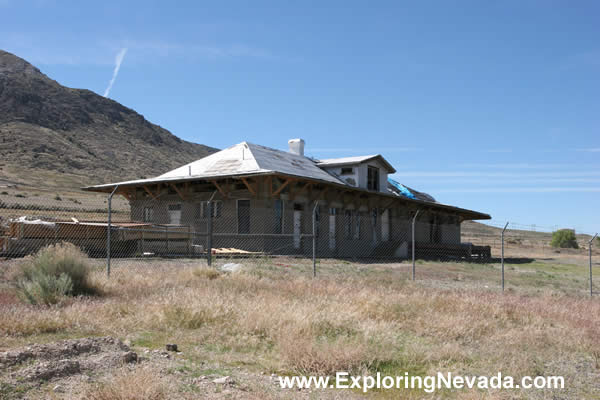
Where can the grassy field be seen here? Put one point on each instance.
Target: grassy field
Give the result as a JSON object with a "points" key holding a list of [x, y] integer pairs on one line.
{"points": [[273, 318]]}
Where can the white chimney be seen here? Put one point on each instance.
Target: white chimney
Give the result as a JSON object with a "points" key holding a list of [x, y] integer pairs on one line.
{"points": [[296, 146]]}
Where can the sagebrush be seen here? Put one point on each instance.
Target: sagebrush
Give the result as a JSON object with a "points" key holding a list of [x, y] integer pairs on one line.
{"points": [[54, 272]]}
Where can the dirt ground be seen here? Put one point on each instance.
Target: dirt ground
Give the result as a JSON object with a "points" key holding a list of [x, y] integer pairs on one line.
{"points": [[77, 368]]}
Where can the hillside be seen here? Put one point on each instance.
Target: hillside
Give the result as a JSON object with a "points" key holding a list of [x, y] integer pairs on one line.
{"points": [[52, 135]]}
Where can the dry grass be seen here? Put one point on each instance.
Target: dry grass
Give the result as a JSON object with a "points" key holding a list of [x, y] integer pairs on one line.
{"points": [[139, 384], [281, 321], [207, 273]]}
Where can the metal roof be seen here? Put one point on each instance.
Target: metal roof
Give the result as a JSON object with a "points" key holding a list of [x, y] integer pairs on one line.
{"points": [[248, 159], [334, 162], [241, 159]]}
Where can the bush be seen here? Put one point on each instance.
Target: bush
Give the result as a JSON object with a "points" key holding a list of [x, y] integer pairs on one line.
{"points": [[45, 289], [564, 238], [54, 272]]}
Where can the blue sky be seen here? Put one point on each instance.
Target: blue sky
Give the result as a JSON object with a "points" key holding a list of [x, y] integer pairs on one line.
{"points": [[486, 105]]}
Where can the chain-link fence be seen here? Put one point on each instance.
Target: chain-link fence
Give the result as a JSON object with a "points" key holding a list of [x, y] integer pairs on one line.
{"points": [[552, 253], [218, 230]]}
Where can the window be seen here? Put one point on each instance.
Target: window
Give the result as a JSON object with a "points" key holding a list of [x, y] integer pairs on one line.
{"points": [[278, 216], [243, 216], [217, 208], [202, 209], [148, 214], [347, 171], [373, 178], [199, 210]]}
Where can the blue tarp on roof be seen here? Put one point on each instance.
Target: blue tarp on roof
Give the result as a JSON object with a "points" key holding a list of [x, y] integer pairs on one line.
{"points": [[403, 190]]}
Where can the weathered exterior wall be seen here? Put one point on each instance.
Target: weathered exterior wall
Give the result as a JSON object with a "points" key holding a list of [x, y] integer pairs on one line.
{"points": [[369, 240]]}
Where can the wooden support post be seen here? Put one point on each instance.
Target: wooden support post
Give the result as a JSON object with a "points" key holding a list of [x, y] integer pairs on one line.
{"points": [[249, 187], [126, 195], [179, 192], [280, 189], [147, 189], [220, 189]]}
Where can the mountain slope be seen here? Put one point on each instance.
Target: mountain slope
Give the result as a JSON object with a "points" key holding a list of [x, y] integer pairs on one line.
{"points": [[57, 136]]}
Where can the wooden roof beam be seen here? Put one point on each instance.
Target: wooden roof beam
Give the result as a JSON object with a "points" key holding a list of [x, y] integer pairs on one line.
{"points": [[280, 189], [179, 192], [249, 187], [220, 189], [147, 189], [127, 195]]}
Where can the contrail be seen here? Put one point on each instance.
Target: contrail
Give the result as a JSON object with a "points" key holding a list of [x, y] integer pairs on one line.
{"points": [[118, 60]]}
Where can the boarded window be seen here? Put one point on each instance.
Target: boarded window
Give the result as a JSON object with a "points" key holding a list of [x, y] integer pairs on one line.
{"points": [[373, 178], [174, 213], [148, 214], [243, 216], [278, 216]]}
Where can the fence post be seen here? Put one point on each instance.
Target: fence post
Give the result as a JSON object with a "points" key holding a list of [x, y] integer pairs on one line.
{"points": [[189, 241], [502, 237], [209, 233], [413, 244], [108, 228], [167, 239], [590, 249], [314, 239]]}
